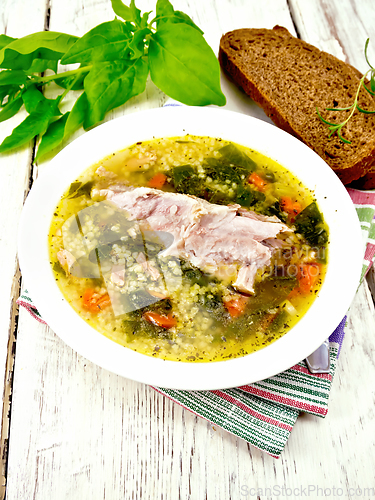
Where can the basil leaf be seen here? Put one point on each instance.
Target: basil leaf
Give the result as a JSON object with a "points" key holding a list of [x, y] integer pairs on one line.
{"points": [[131, 14], [115, 57], [109, 85], [132, 82], [181, 17], [164, 9], [6, 90], [105, 42], [101, 86], [144, 19], [165, 13], [63, 127], [66, 83], [10, 91], [15, 77], [77, 115], [34, 124], [40, 65], [184, 66], [136, 14], [20, 53], [10, 109], [31, 98], [137, 45], [52, 137], [5, 40]]}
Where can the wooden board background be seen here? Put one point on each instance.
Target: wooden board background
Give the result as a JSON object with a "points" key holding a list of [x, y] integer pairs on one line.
{"points": [[77, 431]]}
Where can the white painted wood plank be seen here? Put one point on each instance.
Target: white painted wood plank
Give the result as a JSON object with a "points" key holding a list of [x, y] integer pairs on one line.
{"points": [[14, 172], [79, 431], [340, 28], [16, 19]]}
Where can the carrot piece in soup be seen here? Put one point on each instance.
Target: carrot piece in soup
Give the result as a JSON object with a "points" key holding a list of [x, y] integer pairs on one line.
{"points": [[157, 181], [292, 208], [307, 276], [95, 302], [160, 319], [236, 306], [257, 181]]}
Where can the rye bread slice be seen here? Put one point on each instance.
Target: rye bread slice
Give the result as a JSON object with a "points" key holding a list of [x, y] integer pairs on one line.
{"points": [[289, 78]]}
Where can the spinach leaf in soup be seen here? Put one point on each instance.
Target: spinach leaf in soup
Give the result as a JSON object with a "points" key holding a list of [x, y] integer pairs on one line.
{"points": [[224, 178], [78, 189], [222, 172], [270, 293], [239, 160], [194, 275], [245, 196], [186, 180], [136, 328], [310, 224], [275, 209], [280, 321]]}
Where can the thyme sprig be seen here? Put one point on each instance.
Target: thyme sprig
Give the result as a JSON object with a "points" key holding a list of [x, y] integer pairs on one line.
{"points": [[336, 128]]}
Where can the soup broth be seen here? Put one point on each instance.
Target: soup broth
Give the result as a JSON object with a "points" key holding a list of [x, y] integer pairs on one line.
{"points": [[190, 249]]}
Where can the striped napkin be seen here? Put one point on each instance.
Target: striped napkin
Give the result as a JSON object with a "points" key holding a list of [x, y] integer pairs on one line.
{"points": [[264, 413]]}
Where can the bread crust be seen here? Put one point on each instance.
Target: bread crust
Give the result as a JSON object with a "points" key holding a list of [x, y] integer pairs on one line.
{"points": [[349, 162], [365, 182]]}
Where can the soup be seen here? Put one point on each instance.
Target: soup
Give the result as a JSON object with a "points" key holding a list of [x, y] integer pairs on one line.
{"points": [[189, 249]]}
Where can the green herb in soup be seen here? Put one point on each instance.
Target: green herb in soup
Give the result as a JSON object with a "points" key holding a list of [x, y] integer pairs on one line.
{"points": [[189, 248]]}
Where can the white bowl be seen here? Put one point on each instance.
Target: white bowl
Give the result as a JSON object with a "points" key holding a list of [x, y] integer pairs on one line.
{"points": [[333, 301]]}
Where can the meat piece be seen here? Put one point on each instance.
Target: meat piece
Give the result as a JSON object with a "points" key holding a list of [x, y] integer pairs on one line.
{"points": [[253, 215], [245, 278], [204, 233], [274, 243], [148, 267], [107, 174], [66, 260], [118, 275], [163, 211], [226, 246]]}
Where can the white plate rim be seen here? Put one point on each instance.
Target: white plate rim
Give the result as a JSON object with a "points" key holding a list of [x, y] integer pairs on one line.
{"points": [[298, 343]]}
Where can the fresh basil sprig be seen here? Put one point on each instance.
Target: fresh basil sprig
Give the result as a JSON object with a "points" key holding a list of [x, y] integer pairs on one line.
{"points": [[114, 61]]}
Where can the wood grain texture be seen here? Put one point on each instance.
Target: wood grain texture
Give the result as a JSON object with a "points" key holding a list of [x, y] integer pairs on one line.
{"points": [[16, 19], [78, 431], [340, 28]]}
